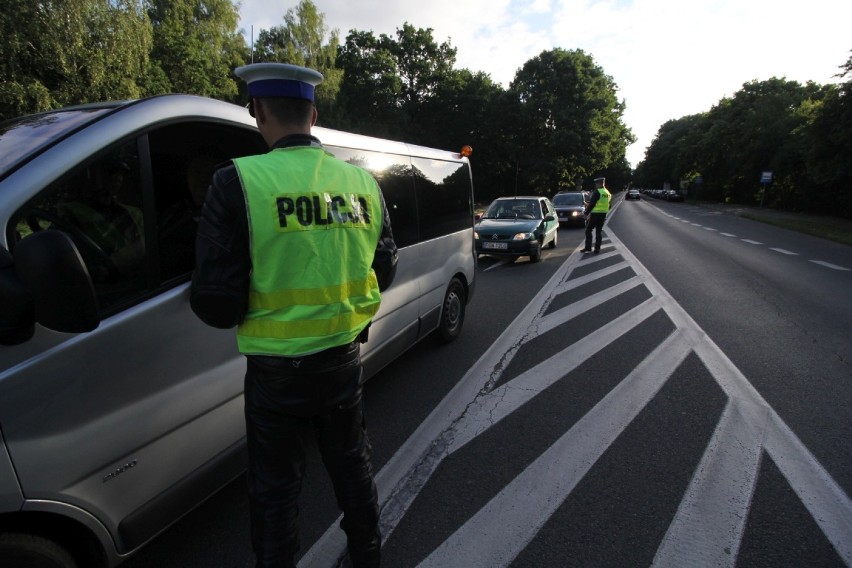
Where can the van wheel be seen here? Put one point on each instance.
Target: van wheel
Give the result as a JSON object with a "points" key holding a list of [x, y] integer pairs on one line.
{"points": [[30, 551], [452, 312], [552, 244]]}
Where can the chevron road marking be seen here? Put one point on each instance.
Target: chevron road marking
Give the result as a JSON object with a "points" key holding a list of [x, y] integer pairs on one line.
{"points": [[708, 526]]}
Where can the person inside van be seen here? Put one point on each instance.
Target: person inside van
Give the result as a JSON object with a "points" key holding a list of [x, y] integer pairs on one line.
{"points": [[103, 211]]}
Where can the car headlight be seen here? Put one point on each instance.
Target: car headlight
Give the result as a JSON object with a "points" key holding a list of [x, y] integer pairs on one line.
{"points": [[575, 213], [523, 237]]}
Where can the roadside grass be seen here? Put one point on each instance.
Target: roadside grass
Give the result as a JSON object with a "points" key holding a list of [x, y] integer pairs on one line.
{"points": [[831, 228]]}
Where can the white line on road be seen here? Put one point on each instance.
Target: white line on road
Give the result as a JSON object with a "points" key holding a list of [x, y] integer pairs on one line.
{"points": [[500, 530], [782, 251], [751, 242], [829, 265], [727, 234], [711, 517], [718, 498]]}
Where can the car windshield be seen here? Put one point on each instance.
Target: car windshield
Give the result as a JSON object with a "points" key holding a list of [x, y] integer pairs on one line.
{"points": [[22, 137], [514, 209], [568, 199]]}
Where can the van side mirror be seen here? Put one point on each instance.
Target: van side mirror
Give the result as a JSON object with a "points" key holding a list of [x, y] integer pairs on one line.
{"points": [[55, 275], [17, 315]]}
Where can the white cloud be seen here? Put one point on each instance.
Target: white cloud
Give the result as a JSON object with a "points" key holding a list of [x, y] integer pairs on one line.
{"points": [[670, 58]]}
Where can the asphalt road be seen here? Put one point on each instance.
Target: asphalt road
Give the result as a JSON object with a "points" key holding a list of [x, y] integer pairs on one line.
{"points": [[680, 399]]}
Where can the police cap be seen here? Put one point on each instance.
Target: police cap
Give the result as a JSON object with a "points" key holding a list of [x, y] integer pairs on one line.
{"points": [[279, 80]]}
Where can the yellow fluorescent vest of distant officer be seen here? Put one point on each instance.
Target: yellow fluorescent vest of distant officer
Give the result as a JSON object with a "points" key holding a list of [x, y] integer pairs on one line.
{"points": [[602, 205], [314, 222]]}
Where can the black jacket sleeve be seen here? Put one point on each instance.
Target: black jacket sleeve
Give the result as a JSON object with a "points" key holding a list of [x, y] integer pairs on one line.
{"points": [[220, 282], [592, 201], [385, 260]]}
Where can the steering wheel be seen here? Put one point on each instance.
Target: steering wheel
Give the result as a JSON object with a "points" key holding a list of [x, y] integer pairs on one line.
{"points": [[89, 249]]}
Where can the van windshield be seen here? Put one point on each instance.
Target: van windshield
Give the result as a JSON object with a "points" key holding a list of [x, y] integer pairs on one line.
{"points": [[21, 138]]}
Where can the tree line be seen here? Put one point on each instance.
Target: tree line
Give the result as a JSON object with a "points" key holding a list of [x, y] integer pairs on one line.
{"points": [[801, 135], [558, 124]]}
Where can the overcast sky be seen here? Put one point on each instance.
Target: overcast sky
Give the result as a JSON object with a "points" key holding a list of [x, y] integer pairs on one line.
{"points": [[669, 58]]}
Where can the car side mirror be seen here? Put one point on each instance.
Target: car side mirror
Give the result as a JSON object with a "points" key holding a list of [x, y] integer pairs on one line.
{"points": [[550, 218], [55, 275]]}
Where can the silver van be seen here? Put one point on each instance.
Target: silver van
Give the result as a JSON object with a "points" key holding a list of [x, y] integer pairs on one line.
{"points": [[119, 410]]}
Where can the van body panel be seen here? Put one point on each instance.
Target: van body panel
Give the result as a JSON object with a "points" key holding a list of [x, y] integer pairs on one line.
{"points": [[437, 258], [11, 497], [110, 418], [128, 427]]}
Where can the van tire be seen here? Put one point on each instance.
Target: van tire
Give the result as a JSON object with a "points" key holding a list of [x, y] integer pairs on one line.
{"points": [[31, 551], [452, 312]]}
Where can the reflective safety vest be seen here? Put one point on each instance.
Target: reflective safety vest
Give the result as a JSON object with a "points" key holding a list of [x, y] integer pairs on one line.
{"points": [[602, 204], [314, 222]]}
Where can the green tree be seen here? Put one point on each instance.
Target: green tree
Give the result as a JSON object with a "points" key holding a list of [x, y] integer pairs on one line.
{"points": [[196, 47], [61, 52], [751, 132], [304, 40], [668, 157], [829, 146], [422, 63], [371, 88], [572, 118]]}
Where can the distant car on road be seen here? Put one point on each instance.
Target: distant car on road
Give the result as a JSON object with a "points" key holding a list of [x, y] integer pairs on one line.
{"points": [[633, 195], [570, 206], [673, 195], [517, 226]]}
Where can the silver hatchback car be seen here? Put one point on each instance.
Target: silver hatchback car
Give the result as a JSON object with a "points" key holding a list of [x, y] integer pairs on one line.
{"points": [[119, 410]]}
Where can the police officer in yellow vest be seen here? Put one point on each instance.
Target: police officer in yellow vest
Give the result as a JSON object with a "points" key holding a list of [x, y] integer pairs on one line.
{"points": [[293, 248], [596, 211]]}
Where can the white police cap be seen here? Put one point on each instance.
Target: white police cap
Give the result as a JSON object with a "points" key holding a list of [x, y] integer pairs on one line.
{"points": [[600, 179], [279, 80]]}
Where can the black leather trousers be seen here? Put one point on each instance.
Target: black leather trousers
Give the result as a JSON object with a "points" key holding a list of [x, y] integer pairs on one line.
{"points": [[286, 401]]}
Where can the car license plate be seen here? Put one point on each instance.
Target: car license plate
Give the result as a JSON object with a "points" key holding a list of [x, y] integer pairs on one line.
{"points": [[495, 246]]}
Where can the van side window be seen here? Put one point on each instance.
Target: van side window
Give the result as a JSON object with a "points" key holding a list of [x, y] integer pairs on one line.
{"points": [[183, 159], [393, 172], [443, 197], [100, 206], [135, 225]]}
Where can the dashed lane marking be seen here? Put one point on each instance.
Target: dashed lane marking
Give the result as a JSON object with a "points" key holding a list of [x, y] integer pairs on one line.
{"points": [[829, 265]]}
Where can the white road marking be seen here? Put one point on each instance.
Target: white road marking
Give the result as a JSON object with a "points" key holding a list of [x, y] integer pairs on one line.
{"points": [[727, 234], [709, 524], [782, 251], [829, 265], [751, 242], [500, 530]]}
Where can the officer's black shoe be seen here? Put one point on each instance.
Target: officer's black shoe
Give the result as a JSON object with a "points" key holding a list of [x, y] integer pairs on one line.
{"points": [[597, 251], [586, 250]]}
